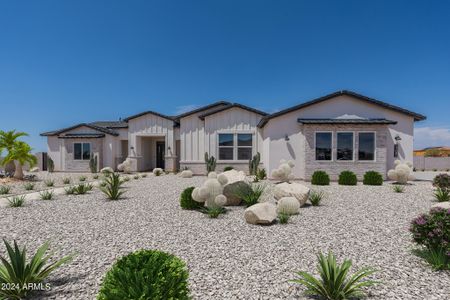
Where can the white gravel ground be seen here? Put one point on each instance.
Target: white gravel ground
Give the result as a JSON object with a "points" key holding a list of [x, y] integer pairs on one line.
{"points": [[227, 258]]}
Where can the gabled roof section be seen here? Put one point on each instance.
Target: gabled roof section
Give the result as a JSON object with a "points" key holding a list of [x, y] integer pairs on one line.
{"points": [[110, 124], [416, 116], [346, 121], [89, 125], [149, 112], [82, 135], [200, 109], [234, 105]]}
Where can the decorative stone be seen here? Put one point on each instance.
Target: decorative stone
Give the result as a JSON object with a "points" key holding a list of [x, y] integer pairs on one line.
{"points": [[186, 174], [297, 190], [125, 166], [234, 176], [444, 205], [261, 213], [288, 205], [107, 170], [34, 170], [230, 191]]}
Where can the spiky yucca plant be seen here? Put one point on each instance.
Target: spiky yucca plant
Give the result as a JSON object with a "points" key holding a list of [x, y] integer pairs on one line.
{"points": [[16, 271], [46, 195], [28, 186], [82, 188], [5, 189], [66, 180], [49, 182], [334, 282], [112, 189], [16, 201]]}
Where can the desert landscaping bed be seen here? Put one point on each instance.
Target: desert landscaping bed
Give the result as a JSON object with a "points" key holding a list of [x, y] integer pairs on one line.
{"points": [[228, 258]]}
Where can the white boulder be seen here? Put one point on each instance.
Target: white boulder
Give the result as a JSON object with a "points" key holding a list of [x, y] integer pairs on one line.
{"points": [[288, 205], [261, 213], [186, 174], [107, 170], [34, 170], [444, 205], [297, 190], [125, 166], [158, 171], [234, 176]]}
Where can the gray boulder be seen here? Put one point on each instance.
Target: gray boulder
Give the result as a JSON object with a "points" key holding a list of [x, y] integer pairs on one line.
{"points": [[230, 191]]}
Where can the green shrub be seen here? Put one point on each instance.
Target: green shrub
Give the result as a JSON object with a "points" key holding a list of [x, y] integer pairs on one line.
{"points": [[16, 271], [437, 258], [228, 168], [283, 218], [66, 180], [347, 178], [146, 274], [320, 178], [250, 195], [112, 188], [373, 178], [186, 201], [315, 197], [82, 188], [442, 181], [397, 188], [442, 195], [334, 282], [49, 183], [16, 201], [4, 189], [70, 190], [82, 178], [28, 186], [46, 195]]}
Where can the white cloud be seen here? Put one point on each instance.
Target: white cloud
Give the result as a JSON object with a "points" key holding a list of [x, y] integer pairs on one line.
{"points": [[431, 136], [185, 108]]}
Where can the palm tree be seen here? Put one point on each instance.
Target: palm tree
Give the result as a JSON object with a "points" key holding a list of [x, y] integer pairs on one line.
{"points": [[21, 154], [7, 142]]}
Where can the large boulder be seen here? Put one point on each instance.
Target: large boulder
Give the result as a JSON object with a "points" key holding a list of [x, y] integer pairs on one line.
{"points": [[186, 174], [297, 190], [261, 213], [230, 191], [234, 176]]}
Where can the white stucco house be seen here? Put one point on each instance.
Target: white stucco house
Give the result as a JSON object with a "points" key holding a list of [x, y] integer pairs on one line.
{"points": [[340, 131]]}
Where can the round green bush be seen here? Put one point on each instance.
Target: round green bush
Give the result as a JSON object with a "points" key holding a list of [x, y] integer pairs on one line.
{"points": [[228, 168], [347, 178], [186, 201], [320, 178], [373, 178], [146, 274]]}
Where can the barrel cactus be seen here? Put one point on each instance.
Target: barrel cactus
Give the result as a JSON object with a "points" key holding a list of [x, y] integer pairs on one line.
{"points": [[402, 172], [288, 205], [211, 192], [284, 171]]}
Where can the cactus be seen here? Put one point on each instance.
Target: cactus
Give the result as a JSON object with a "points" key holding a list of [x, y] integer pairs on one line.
{"points": [[254, 163], [211, 192], [50, 165], [210, 163], [93, 162], [288, 205], [402, 172], [284, 171]]}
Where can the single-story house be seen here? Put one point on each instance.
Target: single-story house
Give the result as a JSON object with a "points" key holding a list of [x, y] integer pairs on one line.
{"points": [[340, 131]]}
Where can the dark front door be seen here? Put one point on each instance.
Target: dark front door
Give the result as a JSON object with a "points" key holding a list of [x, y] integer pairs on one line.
{"points": [[160, 150]]}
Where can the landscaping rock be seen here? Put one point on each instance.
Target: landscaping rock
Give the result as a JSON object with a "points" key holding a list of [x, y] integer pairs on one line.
{"points": [[297, 190], [261, 213], [288, 205], [234, 176], [230, 191], [106, 170], [444, 205], [186, 174], [34, 170]]}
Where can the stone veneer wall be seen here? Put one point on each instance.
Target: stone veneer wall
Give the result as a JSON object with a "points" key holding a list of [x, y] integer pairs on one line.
{"points": [[334, 168], [81, 165]]}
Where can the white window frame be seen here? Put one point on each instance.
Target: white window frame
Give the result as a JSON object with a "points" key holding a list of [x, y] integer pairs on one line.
{"points": [[374, 150], [354, 146], [315, 146], [235, 146], [90, 150]]}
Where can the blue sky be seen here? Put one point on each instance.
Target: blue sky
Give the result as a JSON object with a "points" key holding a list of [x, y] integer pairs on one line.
{"points": [[66, 62]]}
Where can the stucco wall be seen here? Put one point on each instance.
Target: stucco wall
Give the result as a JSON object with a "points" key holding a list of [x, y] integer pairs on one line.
{"points": [[81, 165], [55, 151]]}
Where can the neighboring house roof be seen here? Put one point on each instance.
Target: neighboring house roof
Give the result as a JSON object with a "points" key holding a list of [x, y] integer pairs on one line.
{"points": [[417, 117], [234, 105], [200, 109], [82, 135], [89, 125], [149, 112], [345, 121]]}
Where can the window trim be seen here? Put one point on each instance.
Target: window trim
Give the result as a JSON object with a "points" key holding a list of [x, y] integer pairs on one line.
{"points": [[90, 152], [235, 145], [353, 146], [315, 146], [374, 146]]}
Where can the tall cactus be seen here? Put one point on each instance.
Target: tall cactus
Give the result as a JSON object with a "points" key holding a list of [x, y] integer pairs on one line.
{"points": [[210, 163], [254, 163], [93, 162]]}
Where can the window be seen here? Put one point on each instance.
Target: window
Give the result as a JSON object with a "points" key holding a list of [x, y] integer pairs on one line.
{"points": [[81, 151], [235, 146], [226, 146], [323, 145], [366, 143], [344, 146]]}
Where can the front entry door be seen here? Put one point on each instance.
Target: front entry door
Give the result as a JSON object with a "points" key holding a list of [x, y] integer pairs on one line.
{"points": [[160, 152]]}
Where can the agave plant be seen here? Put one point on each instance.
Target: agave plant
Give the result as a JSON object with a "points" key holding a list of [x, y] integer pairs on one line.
{"points": [[112, 188], [49, 182], [82, 188], [46, 195], [16, 201], [334, 282], [398, 188], [28, 186], [16, 271], [5, 189], [250, 195], [442, 194]]}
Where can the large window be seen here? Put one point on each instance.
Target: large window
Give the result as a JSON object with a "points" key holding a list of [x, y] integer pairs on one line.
{"points": [[82, 151], [344, 146], [323, 145], [366, 147], [235, 146]]}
